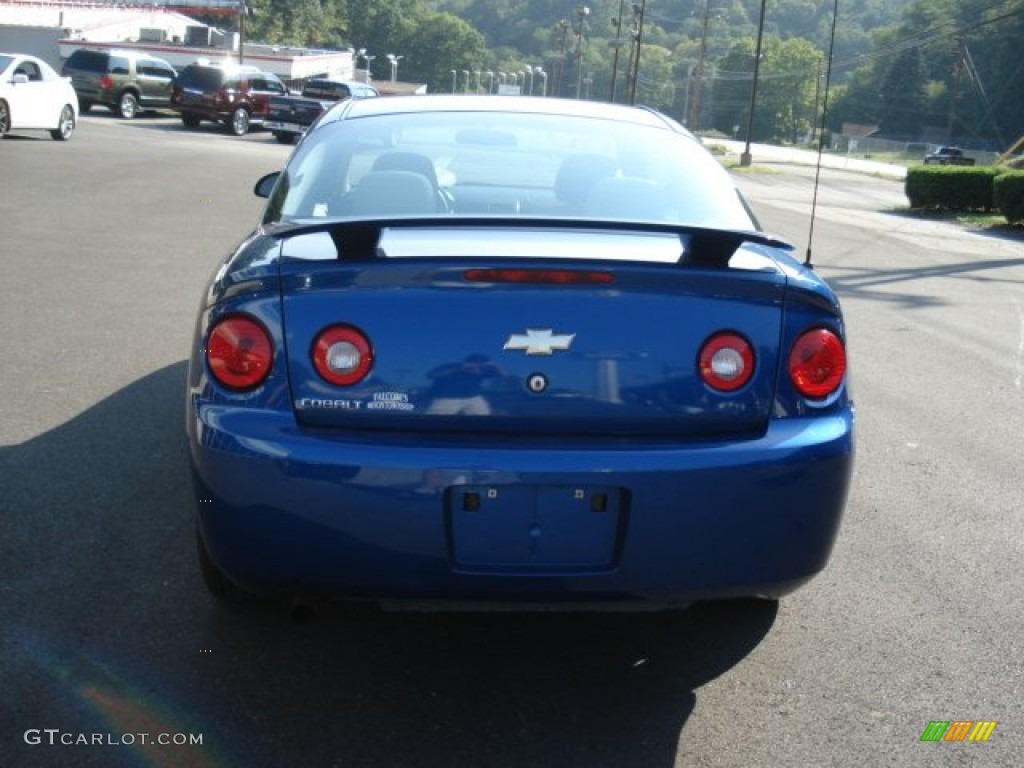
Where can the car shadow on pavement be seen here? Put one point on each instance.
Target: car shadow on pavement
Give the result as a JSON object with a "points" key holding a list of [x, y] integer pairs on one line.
{"points": [[873, 284], [1010, 233], [1014, 234], [164, 122], [109, 631]]}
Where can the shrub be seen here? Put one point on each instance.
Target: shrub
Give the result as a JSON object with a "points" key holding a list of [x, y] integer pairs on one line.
{"points": [[954, 188], [1008, 194]]}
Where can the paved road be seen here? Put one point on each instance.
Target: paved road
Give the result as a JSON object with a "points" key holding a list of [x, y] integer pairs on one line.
{"points": [[106, 243]]}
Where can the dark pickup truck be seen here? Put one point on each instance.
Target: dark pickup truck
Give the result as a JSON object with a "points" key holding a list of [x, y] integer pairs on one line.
{"points": [[948, 156], [289, 116]]}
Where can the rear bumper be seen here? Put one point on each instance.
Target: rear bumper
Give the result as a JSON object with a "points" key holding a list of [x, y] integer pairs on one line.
{"points": [[290, 512], [93, 94], [282, 127], [215, 115], [200, 109]]}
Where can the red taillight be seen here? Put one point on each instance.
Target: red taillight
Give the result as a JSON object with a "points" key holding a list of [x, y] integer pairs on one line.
{"points": [[726, 362], [342, 355], [106, 83], [817, 363], [239, 352], [551, 276]]}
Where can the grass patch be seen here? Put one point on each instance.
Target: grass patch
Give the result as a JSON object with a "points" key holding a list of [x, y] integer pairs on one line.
{"points": [[981, 220], [733, 164], [991, 222]]}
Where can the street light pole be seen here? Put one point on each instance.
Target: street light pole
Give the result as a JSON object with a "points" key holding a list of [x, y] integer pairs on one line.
{"points": [[560, 69], [745, 158], [582, 11], [454, 77], [241, 32], [393, 60], [361, 53]]}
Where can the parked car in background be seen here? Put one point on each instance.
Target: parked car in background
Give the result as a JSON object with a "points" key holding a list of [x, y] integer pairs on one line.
{"points": [[126, 82], [34, 97], [486, 351], [948, 156], [236, 96], [290, 116]]}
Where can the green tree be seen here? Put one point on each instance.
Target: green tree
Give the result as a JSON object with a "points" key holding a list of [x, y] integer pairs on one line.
{"points": [[312, 23], [786, 88], [442, 43], [990, 105], [904, 92], [793, 72], [655, 83]]}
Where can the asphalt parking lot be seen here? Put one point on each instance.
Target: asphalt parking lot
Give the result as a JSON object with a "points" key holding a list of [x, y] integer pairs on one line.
{"points": [[106, 244]]}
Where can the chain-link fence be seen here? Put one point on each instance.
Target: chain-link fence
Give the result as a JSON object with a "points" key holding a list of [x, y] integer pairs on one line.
{"points": [[900, 152]]}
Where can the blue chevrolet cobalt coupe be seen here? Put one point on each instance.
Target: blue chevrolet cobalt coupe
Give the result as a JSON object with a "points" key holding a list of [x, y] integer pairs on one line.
{"points": [[492, 352]]}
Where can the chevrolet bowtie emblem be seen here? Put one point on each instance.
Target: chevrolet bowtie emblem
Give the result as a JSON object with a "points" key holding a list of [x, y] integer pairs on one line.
{"points": [[536, 342]]}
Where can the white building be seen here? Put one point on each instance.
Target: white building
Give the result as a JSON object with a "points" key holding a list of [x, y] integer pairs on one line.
{"points": [[34, 27], [53, 30], [290, 64]]}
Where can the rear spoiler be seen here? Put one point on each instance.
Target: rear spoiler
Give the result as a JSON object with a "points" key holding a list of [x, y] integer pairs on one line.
{"points": [[358, 240]]}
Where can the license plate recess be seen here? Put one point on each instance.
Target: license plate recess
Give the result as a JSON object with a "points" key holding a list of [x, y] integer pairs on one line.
{"points": [[531, 527]]}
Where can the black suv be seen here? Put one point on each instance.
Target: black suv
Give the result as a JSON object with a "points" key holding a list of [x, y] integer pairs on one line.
{"points": [[237, 96], [125, 81]]}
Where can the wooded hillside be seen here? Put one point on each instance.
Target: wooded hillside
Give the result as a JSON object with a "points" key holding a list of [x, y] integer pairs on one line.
{"points": [[944, 69]]}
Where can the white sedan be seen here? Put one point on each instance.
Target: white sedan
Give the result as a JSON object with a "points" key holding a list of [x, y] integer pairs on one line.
{"points": [[33, 96]]}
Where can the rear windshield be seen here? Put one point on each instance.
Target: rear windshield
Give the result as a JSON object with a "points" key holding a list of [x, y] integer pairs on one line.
{"points": [[88, 61], [506, 164], [201, 78], [317, 89]]}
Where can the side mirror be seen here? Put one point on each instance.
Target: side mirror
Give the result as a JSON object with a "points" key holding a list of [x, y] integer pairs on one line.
{"points": [[265, 185], [19, 78]]}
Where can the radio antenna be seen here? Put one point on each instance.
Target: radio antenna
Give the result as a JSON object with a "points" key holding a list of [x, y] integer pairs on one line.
{"points": [[821, 132]]}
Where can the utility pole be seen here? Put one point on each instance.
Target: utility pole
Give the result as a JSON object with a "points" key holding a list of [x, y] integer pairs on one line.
{"points": [[617, 45], [693, 117], [746, 158], [638, 33], [957, 70], [817, 96]]}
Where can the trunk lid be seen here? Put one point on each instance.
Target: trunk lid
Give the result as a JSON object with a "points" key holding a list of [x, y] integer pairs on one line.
{"points": [[294, 109], [460, 344]]}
